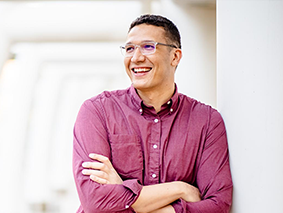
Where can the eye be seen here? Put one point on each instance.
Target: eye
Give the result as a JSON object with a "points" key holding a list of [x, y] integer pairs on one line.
{"points": [[129, 48], [148, 46]]}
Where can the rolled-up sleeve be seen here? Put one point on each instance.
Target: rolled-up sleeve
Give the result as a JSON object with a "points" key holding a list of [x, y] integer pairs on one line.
{"points": [[90, 136], [213, 174]]}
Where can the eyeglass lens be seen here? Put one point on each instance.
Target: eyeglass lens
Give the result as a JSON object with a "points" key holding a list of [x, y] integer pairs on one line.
{"points": [[145, 48]]}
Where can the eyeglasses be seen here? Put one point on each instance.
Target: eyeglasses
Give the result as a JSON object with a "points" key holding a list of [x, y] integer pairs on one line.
{"points": [[146, 48]]}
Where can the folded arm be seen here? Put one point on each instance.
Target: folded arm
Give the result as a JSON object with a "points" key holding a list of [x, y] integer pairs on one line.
{"points": [[153, 198], [103, 189]]}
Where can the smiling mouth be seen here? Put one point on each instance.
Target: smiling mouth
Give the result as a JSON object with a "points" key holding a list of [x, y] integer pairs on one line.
{"points": [[141, 70]]}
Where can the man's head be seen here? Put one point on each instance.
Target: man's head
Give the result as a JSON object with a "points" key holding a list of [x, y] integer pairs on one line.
{"points": [[171, 31], [152, 53]]}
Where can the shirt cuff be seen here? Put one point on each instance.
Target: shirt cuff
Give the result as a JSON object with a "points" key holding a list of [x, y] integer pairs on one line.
{"points": [[135, 186], [177, 205]]}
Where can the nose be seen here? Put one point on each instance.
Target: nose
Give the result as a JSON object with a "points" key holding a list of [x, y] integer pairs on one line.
{"points": [[137, 56]]}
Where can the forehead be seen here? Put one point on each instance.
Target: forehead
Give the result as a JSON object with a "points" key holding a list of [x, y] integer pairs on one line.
{"points": [[146, 32]]}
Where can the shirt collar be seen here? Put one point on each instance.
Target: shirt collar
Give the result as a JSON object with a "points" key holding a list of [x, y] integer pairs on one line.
{"points": [[170, 105]]}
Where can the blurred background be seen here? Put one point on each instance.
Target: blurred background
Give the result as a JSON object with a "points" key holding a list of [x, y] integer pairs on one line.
{"points": [[56, 54]]}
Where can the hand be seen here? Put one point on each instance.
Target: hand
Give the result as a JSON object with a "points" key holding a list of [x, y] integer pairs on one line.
{"points": [[101, 171]]}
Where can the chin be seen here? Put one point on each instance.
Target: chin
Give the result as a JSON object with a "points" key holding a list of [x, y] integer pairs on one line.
{"points": [[139, 86]]}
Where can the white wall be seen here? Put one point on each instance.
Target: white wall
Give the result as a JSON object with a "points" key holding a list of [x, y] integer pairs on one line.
{"points": [[250, 98]]}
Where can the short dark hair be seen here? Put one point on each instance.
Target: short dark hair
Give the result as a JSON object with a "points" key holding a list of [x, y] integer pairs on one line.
{"points": [[171, 30]]}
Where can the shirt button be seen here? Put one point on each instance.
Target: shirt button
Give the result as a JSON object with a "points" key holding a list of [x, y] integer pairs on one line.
{"points": [[154, 146], [127, 206], [169, 102], [155, 120], [153, 175], [171, 110], [140, 110]]}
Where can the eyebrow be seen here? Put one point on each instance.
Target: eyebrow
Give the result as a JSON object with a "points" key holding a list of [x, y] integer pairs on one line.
{"points": [[141, 41]]}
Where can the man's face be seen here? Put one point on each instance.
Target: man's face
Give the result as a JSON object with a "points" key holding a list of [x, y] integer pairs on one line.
{"points": [[153, 72]]}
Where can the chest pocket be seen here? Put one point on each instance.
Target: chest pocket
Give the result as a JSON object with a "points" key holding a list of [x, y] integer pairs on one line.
{"points": [[127, 157]]}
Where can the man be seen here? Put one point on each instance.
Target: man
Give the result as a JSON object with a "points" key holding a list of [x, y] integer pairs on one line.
{"points": [[149, 148]]}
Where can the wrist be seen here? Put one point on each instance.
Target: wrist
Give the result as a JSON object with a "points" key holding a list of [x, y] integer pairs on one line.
{"points": [[181, 187], [188, 192]]}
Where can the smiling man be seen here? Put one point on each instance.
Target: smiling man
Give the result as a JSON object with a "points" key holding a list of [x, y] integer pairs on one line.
{"points": [[149, 148]]}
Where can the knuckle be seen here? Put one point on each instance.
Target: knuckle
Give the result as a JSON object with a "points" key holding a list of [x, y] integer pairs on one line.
{"points": [[104, 175], [103, 167]]}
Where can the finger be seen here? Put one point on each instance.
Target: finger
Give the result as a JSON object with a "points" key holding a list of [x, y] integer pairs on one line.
{"points": [[94, 165], [97, 173], [99, 158], [98, 179], [87, 171]]}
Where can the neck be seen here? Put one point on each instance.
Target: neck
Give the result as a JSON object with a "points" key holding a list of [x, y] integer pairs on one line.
{"points": [[156, 98]]}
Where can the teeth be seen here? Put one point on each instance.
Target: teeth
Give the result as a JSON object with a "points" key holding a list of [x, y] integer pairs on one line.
{"points": [[136, 70]]}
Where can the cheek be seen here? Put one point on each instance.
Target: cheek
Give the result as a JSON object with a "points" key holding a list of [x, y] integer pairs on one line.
{"points": [[160, 60], [126, 65], [126, 62]]}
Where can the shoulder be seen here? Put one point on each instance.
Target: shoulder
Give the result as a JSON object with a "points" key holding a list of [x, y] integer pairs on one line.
{"points": [[107, 97], [199, 110], [194, 105], [97, 106]]}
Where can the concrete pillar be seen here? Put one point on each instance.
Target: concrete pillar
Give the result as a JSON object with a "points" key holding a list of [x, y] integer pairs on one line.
{"points": [[250, 98]]}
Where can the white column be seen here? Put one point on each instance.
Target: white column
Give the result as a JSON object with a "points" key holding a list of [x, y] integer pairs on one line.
{"points": [[196, 73], [250, 98]]}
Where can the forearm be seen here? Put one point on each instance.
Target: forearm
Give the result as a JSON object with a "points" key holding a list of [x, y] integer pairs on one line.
{"points": [[110, 198], [209, 205], [155, 197], [166, 209]]}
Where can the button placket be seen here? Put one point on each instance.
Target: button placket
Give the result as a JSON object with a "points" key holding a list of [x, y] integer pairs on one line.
{"points": [[154, 151]]}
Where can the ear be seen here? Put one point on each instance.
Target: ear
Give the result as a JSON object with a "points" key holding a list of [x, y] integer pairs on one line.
{"points": [[177, 55]]}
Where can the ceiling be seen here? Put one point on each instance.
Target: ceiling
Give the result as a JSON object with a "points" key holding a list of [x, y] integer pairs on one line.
{"points": [[200, 3]]}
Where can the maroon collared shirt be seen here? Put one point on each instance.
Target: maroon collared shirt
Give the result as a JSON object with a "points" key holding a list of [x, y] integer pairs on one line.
{"points": [[185, 141]]}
